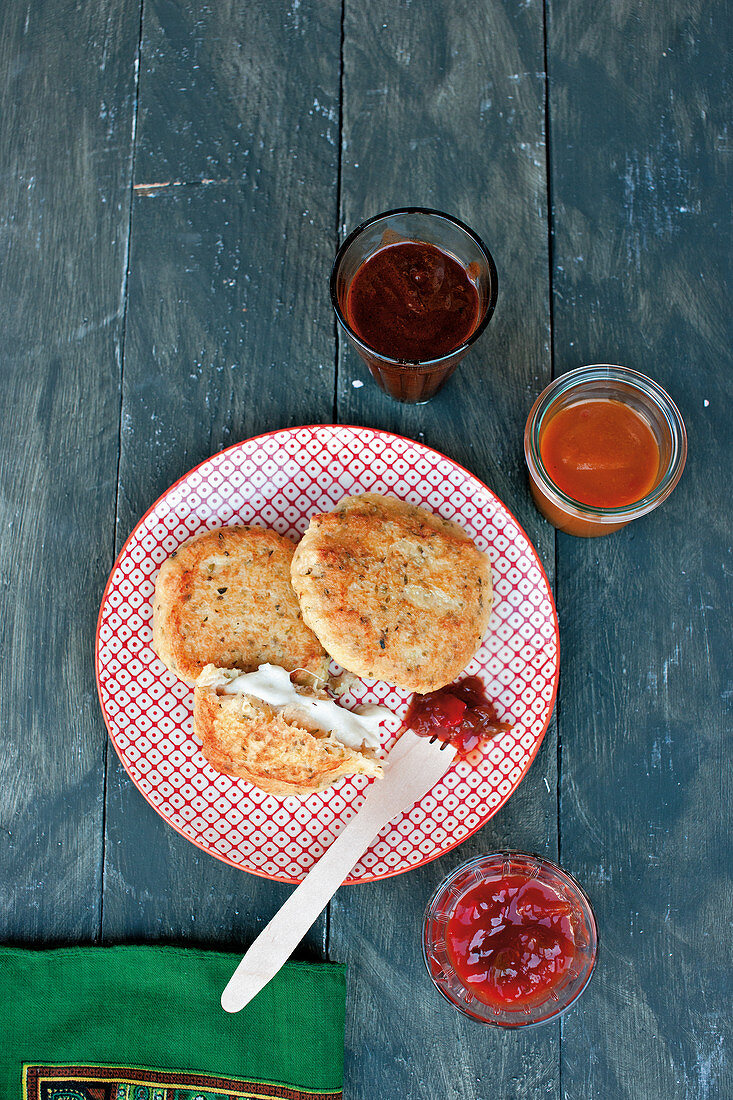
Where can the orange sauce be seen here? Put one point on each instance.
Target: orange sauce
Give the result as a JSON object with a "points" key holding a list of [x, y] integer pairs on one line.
{"points": [[600, 453]]}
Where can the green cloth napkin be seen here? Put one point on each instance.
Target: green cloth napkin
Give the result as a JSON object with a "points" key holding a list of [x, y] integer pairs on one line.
{"points": [[145, 1023]]}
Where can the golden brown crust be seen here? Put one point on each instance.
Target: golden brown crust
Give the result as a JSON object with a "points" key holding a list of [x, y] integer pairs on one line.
{"points": [[393, 591], [245, 737], [225, 598]]}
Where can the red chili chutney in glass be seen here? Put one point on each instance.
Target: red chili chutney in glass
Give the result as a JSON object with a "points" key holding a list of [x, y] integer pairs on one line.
{"points": [[600, 453], [412, 301], [510, 941], [461, 713]]}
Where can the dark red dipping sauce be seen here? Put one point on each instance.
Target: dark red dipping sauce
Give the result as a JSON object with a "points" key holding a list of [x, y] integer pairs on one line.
{"points": [[510, 940], [461, 713], [412, 301]]}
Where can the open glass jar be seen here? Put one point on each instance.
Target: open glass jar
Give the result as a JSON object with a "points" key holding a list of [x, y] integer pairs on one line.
{"points": [[604, 382]]}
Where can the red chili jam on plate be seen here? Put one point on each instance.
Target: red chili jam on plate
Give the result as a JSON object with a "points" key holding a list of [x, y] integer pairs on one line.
{"points": [[510, 941], [412, 301], [461, 713], [601, 453]]}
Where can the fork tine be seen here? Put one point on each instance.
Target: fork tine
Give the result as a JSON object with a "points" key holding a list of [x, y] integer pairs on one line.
{"points": [[443, 743]]}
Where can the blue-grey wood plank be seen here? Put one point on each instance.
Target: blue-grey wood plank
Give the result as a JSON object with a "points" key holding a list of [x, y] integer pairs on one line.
{"points": [[230, 334], [443, 106], [232, 91], [67, 88], [638, 107]]}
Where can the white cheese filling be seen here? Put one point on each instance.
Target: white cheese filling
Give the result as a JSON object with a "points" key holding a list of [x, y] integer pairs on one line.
{"points": [[356, 728]]}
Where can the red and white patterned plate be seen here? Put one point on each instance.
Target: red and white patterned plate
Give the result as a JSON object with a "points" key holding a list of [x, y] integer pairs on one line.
{"points": [[279, 480]]}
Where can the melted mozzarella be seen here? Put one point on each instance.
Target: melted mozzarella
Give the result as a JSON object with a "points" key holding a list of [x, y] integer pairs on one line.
{"points": [[272, 684]]}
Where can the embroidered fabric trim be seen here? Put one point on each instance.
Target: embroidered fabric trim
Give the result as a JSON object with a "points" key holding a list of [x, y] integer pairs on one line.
{"points": [[131, 1083]]}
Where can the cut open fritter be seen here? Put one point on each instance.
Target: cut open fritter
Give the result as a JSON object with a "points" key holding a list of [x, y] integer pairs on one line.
{"points": [[225, 598], [281, 748], [392, 591]]}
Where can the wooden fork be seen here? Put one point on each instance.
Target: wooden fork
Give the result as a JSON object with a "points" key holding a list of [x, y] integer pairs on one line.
{"points": [[414, 765]]}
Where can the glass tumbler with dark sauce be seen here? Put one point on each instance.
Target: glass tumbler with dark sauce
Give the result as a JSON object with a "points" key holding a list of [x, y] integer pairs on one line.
{"points": [[413, 289]]}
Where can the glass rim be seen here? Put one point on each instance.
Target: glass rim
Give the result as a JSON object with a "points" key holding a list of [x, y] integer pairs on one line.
{"points": [[422, 364], [586, 905], [600, 372]]}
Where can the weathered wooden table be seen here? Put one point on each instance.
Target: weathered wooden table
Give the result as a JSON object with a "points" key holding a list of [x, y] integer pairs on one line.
{"points": [[175, 181]]}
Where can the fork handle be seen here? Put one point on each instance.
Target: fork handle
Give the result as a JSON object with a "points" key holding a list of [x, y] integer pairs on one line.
{"points": [[411, 773]]}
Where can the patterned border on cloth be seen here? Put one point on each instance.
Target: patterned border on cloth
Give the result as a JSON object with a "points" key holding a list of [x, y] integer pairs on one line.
{"points": [[132, 1083]]}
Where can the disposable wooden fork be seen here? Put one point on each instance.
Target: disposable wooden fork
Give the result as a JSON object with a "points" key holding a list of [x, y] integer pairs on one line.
{"points": [[414, 765]]}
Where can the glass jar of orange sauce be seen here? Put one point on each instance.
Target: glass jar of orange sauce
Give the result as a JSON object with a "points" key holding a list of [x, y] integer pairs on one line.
{"points": [[604, 445]]}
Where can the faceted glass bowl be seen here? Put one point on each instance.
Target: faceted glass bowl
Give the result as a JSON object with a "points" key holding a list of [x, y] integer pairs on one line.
{"points": [[485, 869]]}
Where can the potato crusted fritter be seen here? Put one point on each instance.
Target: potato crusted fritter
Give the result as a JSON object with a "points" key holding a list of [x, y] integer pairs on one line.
{"points": [[225, 598], [270, 748], [392, 591]]}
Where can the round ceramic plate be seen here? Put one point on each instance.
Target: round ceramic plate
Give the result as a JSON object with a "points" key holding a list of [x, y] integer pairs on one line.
{"points": [[280, 480]]}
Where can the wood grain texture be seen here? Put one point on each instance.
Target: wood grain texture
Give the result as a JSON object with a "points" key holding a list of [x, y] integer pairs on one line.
{"points": [[67, 90], [241, 91], [230, 334], [261, 138], [443, 106], [641, 260]]}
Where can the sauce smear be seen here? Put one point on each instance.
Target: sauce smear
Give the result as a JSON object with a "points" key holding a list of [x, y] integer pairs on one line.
{"points": [[461, 713], [510, 940], [412, 301], [601, 453]]}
